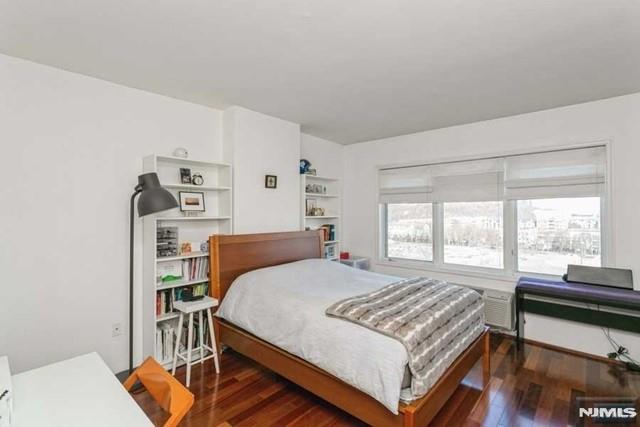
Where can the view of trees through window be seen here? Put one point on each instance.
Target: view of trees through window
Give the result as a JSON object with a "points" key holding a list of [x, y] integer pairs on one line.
{"points": [[473, 234], [551, 233], [555, 232], [410, 231]]}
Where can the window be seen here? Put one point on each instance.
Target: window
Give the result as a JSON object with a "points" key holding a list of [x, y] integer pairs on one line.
{"points": [[555, 232], [529, 213], [473, 234], [410, 231]]}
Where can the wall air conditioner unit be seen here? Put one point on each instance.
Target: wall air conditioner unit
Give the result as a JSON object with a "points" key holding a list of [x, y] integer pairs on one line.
{"points": [[498, 309]]}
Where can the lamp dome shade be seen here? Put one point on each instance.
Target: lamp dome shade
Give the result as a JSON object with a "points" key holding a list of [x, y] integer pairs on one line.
{"points": [[154, 198]]}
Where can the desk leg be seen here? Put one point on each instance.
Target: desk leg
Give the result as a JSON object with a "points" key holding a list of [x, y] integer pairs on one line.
{"points": [[519, 318]]}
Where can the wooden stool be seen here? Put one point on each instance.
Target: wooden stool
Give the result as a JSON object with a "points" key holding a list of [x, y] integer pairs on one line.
{"points": [[190, 308]]}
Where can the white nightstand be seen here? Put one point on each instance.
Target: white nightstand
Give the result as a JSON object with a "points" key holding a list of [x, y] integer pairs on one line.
{"points": [[359, 262]]}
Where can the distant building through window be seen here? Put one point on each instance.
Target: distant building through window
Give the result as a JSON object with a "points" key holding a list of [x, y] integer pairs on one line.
{"points": [[555, 232]]}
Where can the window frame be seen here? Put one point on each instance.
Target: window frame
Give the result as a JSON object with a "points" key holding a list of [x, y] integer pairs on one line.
{"points": [[510, 271], [384, 241], [473, 267], [603, 261]]}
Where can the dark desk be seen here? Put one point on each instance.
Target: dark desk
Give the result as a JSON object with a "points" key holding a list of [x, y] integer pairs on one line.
{"points": [[593, 296]]}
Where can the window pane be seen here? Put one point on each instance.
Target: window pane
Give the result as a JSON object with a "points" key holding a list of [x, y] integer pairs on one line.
{"points": [[555, 232], [473, 234], [409, 231]]}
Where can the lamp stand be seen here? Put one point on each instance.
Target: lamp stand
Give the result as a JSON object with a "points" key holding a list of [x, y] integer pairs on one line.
{"points": [[138, 190]]}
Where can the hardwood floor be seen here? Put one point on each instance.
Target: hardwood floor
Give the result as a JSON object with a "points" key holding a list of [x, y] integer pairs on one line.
{"points": [[537, 386]]}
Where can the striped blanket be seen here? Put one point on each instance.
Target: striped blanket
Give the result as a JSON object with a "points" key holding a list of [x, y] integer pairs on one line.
{"points": [[434, 320]]}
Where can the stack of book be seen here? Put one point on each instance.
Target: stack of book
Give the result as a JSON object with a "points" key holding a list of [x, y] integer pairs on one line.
{"points": [[200, 289], [196, 333], [166, 298], [165, 339], [164, 302], [195, 268], [329, 232]]}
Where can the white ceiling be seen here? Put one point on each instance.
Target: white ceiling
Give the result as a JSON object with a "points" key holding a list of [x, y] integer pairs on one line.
{"points": [[347, 70]]}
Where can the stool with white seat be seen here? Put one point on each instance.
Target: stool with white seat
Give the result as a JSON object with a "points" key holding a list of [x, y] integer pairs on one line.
{"points": [[191, 307]]}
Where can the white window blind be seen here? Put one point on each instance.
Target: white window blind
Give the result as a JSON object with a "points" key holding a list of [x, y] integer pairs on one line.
{"points": [[405, 185], [563, 173], [472, 181], [566, 173]]}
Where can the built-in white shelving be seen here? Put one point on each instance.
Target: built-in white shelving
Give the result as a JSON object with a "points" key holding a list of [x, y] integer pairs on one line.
{"points": [[324, 193], [196, 187], [217, 219], [195, 218], [320, 195], [186, 256], [179, 283]]}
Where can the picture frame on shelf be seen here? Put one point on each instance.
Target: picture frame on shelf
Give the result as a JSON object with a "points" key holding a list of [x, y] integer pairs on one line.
{"points": [[185, 248], [185, 176], [310, 206], [191, 201]]}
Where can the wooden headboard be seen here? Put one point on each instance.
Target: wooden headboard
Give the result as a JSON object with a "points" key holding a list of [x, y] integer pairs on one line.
{"points": [[233, 255]]}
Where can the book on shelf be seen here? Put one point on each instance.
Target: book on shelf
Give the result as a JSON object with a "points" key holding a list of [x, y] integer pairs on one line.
{"points": [[187, 269], [195, 268], [166, 336], [196, 333], [165, 340], [329, 231], [166, 298]]}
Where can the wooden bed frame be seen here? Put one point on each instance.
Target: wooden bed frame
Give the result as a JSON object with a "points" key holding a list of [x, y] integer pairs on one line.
{"points": [[231, 256]]}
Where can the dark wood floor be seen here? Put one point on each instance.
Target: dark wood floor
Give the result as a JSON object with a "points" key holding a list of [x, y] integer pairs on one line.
{"points": [[534, 387]]}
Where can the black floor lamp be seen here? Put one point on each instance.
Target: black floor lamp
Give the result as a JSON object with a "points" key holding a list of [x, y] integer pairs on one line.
{"points": [[153, 198]]}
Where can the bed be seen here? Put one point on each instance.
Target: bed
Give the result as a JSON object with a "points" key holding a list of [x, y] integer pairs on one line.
{"points": [[248, 318]]}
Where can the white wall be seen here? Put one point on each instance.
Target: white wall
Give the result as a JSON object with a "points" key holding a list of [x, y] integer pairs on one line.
{"points": [[615, 119], [72, 147], [325, 156], [260, 145]]}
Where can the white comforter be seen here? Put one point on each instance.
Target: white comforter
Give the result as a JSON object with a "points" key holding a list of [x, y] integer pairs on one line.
{"points": [[285, 305]]}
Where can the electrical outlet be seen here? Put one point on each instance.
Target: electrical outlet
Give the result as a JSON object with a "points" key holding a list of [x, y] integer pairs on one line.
{"points": [[116, 329]]}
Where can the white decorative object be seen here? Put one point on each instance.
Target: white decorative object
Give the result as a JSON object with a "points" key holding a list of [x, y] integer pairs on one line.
{"points": [[359, 262], [6, 393], [181, 152]]}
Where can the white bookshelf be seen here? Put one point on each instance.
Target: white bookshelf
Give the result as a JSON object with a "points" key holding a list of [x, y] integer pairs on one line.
{"points": [[217, 219], [328, 198]]}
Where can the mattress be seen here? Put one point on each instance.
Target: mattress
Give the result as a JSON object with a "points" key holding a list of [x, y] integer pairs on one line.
{"points": [[285, 306]]}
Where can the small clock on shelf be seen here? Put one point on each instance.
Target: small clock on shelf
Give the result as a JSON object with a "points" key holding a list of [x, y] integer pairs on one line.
{"points": [[197, 179]]}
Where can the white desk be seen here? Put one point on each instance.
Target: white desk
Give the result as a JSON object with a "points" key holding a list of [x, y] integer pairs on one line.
{"points": [[78, 392]]}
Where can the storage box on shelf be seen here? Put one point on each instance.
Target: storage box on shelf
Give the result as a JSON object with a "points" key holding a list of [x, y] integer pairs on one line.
{"points": [[321, 207], [167, 270]]}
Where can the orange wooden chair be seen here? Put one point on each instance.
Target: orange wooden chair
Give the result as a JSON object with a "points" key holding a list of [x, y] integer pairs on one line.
{"points": [[172, 396]]}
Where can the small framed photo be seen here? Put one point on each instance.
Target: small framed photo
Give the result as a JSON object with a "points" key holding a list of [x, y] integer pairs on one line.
{"points": [[191, 201], [310, 206], [270, 181], [185, 176]]}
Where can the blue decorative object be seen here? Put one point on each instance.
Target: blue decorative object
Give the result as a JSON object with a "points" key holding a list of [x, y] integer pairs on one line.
{"points": [[304, 166]]}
